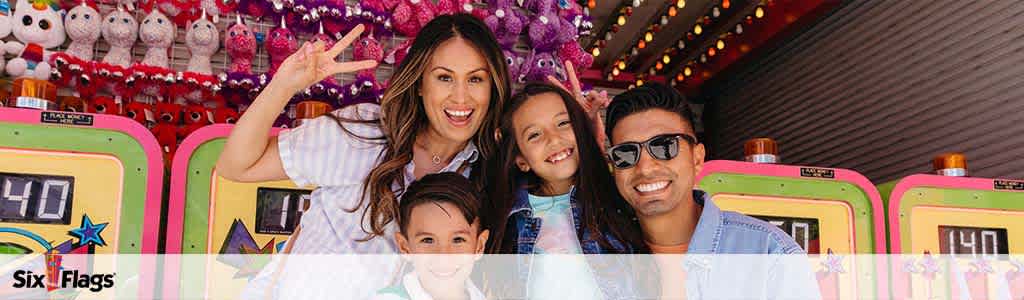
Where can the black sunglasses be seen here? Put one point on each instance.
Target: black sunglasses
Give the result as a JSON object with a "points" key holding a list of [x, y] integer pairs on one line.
{"points": [[662, 147]]}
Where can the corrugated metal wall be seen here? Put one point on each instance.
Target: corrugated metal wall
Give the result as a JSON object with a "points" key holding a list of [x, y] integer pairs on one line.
{"points": [[881, 87]]}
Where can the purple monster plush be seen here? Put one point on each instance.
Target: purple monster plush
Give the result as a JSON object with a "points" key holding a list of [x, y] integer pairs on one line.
{"points": [[506, 22], [515, 66], [541, 65], [547, 30]]}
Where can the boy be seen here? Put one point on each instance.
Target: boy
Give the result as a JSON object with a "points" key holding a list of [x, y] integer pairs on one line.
{"points": [[439, 226]]}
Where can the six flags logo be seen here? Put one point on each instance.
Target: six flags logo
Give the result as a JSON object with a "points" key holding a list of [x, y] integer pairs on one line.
{"points": [[58, 278]]}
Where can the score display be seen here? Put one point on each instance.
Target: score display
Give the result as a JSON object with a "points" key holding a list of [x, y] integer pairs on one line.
{"points": [[988, 242], [278, 210], [804, 230], [40, 199]]}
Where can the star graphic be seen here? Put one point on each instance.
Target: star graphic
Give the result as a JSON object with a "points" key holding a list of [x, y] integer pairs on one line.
{"points": [[89, 232], [833, 263]]}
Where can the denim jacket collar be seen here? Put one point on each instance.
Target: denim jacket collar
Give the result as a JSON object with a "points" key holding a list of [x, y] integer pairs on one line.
{"points": [[522, 203], [709, 227]]}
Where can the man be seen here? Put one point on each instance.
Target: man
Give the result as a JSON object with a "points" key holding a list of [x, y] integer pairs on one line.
{"points": [[656, 158]]}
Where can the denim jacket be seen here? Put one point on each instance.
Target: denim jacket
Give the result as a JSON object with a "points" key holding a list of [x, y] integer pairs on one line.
{"points": [[713, 272], [608, 272]]}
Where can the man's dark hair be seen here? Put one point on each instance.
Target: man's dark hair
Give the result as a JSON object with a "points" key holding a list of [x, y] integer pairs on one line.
{"points": [[647, 97], [447, 187]]}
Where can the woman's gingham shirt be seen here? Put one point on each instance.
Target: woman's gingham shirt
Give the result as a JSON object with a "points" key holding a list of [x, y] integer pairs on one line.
{"points": [[322, 154]]}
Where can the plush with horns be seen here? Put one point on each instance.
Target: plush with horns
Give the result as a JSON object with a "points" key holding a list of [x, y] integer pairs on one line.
{"points": [[83, 27], [120, 30], [157, 33], [280, 45], [410, 16], [202, 40], [548, 30], [240, 43], [40, 27], [5, 27]]}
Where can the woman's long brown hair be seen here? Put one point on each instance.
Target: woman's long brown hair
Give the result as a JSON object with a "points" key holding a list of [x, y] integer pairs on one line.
{"points": [[402, 115], [603, 212]]}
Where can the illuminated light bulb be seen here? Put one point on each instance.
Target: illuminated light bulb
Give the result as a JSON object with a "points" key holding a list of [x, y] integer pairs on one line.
{"points": [[634, 52], [658, 67], [697, 29], [666, 59], [622, 20], [739, 28], [610, 77], [664, 20], [703, 58], [622, 65], [615, 72], [715, 12], [720, 45], [631, 86], [681, 44], [680, 77], [639, 82], [641, 45], [711, 52], [673, 83], [672, 11], [636, 3], [608, 35], [726, 4], [596, 52], [651, 71], [687, 72], [759, 12], [680, 3], [593, 3], [648, 36]]}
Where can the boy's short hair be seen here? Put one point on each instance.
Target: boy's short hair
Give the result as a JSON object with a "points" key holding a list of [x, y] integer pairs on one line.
{"points": [[649, 96], [446, 187]]}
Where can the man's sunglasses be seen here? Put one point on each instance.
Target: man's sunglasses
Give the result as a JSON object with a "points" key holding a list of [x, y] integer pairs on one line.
{"points": [[662, 147]]}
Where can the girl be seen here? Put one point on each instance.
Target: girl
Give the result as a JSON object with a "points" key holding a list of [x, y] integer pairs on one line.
{"points": [[450, 86], [553, 187]]}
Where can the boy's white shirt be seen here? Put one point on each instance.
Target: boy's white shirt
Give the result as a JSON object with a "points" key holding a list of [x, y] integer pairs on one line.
{"points": [[412, 286]]}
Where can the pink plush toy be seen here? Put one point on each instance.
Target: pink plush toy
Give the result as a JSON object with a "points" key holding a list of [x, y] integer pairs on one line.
{"points": [[240, 43], [203, 40], [328, 43], [506, 22], [157, 33], [581, 60], [366, 88], [410, 16], [83, 27], [280, 45], [451, 7], [120, 30], [37, 25]]}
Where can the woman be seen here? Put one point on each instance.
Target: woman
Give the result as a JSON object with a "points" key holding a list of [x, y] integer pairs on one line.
{"points": [[450, 87]]}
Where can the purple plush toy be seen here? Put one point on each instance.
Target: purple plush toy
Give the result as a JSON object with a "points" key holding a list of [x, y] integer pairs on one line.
{"points": [[540, 65], [505, 22], [548, 30]]}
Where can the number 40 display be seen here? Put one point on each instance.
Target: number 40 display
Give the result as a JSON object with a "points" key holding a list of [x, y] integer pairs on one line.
{"points": [[42, 199]]}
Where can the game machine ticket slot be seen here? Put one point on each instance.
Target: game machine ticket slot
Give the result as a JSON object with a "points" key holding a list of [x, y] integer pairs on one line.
{"points": [[208, 214], [76, 183], [832, 213], [962, 237]]}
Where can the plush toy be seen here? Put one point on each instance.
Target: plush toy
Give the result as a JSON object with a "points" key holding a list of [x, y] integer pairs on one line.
{"points": [[202, 40], [547, 30], [120, 30], [410, 16], [5, 27], [572, 52], [157, 33], [103, 105], [240, 43], [83, 27], [38, 27], [365, 89], [451, 7], [540, 65], [166, 129], [506, 22], [280, 45], [225, 115], [516, 64], [196, 116], [140, 112]]}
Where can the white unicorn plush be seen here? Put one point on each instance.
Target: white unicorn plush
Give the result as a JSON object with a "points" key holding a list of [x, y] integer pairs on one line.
{"points": [[5, 27], [41, 28]]}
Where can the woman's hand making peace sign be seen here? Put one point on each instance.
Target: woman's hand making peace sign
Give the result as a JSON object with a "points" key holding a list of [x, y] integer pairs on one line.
{"points": [[312, 63]]}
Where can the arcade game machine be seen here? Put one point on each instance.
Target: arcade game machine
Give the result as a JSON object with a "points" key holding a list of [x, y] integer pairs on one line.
{"points": [[77, 183], [961, 237], [208, 214], [834, 213]]}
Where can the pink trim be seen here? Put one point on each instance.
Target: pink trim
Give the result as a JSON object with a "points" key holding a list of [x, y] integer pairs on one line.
{"points": [[844, 175], [176, 206], [155, 168]]}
